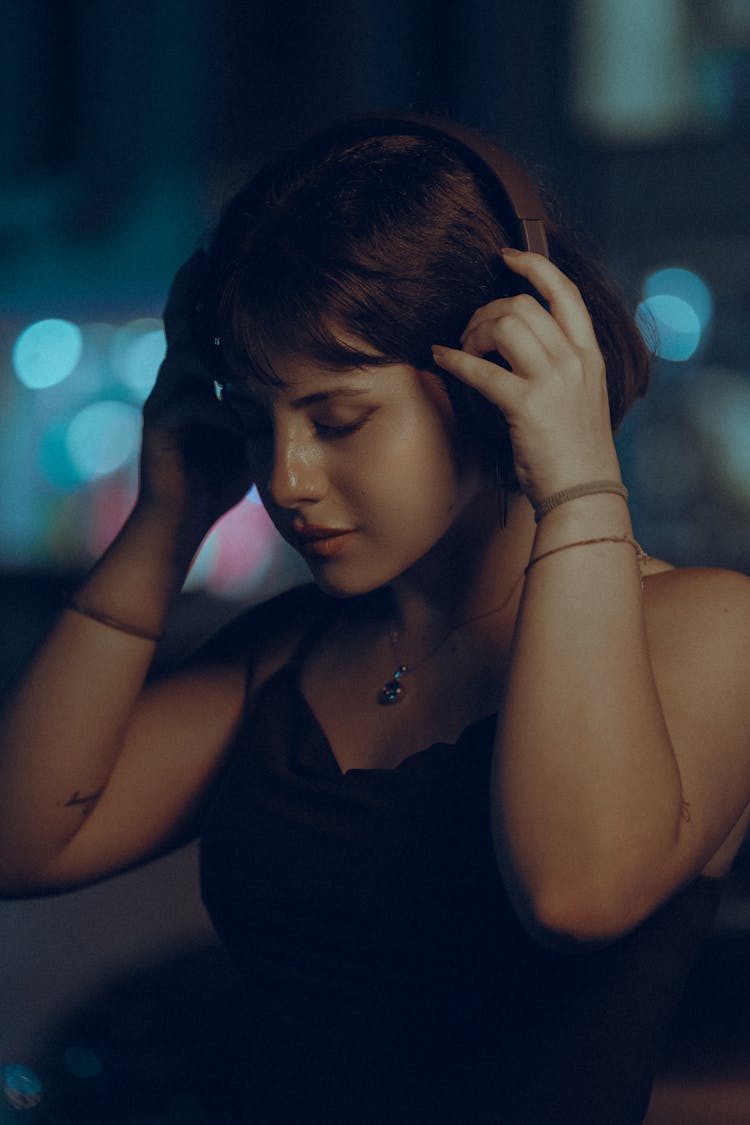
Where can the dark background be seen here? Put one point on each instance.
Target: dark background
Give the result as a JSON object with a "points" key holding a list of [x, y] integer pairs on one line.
{"points": [[124, 126]]}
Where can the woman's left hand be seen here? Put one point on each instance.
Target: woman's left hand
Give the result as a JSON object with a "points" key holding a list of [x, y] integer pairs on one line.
{"points": [[554, 397]]}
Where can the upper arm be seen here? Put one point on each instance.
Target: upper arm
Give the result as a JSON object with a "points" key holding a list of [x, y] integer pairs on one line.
{"points": [[174, 746], [698, 626]]}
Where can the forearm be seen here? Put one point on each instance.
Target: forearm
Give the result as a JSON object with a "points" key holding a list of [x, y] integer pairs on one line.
{"points": [[586, 789], [64, 720]]}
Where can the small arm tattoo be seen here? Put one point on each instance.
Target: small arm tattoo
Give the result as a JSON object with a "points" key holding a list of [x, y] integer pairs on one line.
{"points": [[86, 803]]}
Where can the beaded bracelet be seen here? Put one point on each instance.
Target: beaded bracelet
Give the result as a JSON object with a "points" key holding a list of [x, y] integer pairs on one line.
{"points": [[642, 556], [577, 490], [113, 623]]}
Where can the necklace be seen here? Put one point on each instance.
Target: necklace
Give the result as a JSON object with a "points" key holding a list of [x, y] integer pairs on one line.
{"points": [[393, 690]]}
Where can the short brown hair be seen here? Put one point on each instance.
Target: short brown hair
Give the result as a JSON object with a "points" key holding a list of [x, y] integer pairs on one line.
{"points": [[395, 240]]}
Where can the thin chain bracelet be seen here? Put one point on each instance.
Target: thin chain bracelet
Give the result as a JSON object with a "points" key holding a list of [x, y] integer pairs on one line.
{"points": [[642, 556], [113, 623]]}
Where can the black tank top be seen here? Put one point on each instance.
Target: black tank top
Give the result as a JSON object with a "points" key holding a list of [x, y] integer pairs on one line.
{"points": [[388, 980]]}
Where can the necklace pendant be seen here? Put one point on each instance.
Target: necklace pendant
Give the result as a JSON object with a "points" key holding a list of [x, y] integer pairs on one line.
{"points": [[392, 691]]}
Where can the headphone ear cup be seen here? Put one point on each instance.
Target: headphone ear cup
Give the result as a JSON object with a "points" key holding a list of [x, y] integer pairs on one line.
{"points": [[206, 341], [475, 415], [474, 411], [486, 417]]}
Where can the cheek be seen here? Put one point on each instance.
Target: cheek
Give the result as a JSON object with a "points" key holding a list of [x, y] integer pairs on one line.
{"points": [[412, 478]]}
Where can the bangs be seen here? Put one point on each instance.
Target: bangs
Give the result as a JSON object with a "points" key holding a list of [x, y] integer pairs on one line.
{"points": [[316, 319]]}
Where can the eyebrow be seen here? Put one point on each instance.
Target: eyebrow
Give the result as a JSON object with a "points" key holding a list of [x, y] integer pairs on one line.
{"points": [[308, 400], [322, 396]]}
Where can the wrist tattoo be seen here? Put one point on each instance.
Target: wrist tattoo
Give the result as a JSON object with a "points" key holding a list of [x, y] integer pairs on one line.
{"points": [[86, 803]]}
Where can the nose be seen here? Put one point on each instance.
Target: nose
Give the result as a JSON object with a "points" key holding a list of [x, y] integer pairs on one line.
{"points": [[295, 472]]}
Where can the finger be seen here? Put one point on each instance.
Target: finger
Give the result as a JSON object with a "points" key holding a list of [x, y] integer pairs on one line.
{"points": [[518, 344], [182, 297], [498, 386], [183, 394], [189, 411], [523, 304], [524, 310], [492, 308], [563, 297]]}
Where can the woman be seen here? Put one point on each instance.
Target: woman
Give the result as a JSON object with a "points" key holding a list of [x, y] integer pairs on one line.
{"points": [[465, 801]]}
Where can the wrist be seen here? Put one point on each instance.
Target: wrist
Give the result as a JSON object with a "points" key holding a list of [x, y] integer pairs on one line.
{"points": [[604, 467], [575, 492], [176, 532], [600, 513], [139, 575]]}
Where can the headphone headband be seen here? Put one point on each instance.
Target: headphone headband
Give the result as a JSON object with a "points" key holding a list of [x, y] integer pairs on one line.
{"points": [[485, 157], [493, 164]]}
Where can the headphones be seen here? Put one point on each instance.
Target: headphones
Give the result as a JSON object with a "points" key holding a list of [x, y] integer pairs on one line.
{"points": [[501, 174], [494, 165], [516, 192]]}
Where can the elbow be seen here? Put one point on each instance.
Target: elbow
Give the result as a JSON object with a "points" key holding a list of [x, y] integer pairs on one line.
{"points": [[17, 883], [27, 881], [13, 889], [597, 906], [583, 915], [562, 915]]}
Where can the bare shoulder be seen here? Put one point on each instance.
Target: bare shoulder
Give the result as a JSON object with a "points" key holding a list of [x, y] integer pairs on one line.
{"points": [[260, 639], [684, 601], [698, 629], [698, 626]]}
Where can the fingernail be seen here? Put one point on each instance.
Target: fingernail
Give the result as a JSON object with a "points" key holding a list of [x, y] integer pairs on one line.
{"points": [[510, 252], [438, 352]]}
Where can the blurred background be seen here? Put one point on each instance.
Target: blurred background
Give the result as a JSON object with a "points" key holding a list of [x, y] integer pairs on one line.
{"points": [[123, 129]]}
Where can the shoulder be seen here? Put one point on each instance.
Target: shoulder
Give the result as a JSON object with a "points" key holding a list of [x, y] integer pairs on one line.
{"points": [[262, 637], [702, 602], [698, 630]]}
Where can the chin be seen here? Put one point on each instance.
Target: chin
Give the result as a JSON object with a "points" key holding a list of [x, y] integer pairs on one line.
{"points": [[340, 580], [364, 572], [343, 585]]}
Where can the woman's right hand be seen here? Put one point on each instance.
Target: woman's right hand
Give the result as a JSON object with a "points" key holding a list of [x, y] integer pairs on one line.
{"points": [[193, 461]]}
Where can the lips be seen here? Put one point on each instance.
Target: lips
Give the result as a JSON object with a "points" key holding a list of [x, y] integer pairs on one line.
{"points": [[313, 533], [322, 542]]}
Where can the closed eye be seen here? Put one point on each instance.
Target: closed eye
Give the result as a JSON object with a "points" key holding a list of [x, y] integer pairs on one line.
{"points": [[339, 428], [330, 431]]}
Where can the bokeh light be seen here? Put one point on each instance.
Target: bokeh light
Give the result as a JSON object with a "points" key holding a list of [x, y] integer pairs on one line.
{"points": [[238, 554], [46, 353], [21, 1086], [670, 326], [136, 353], [55, 461], [103, 437], [682, 283], [675, 313], [92, 374]]}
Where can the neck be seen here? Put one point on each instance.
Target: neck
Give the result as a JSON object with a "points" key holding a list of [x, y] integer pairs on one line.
{"points": [[475, 568]]}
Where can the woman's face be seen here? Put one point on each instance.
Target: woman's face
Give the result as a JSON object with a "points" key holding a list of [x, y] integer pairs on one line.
{"points": [[360, 471]]}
